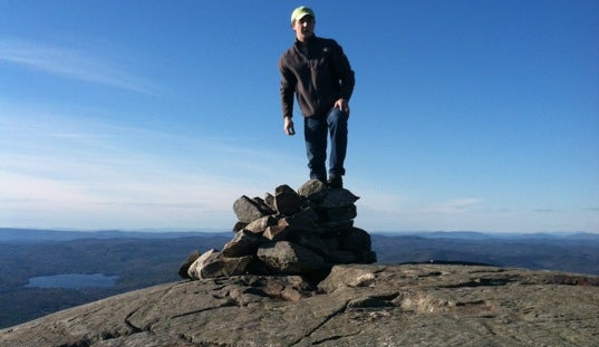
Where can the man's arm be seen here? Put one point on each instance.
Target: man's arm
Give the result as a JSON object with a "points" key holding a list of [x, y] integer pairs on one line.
{"points": [[287, 91], [346, 75], [288, 82], [288, 126]]}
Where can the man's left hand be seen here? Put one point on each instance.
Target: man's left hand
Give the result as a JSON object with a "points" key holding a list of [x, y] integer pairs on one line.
{"points": [[342, 105]]}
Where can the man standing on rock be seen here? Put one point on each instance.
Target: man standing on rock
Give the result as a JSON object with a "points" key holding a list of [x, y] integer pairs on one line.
{"points": [[317, 71]]}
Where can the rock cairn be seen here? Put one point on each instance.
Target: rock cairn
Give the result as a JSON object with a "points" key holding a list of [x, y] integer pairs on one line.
{"points": [[303, 232]]}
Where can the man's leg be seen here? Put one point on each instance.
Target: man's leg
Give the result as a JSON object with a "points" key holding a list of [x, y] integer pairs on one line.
{"points": [[337, 124], [315, 134]]}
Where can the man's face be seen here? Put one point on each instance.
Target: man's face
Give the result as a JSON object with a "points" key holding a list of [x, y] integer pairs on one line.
{"points": [[304, 28]]}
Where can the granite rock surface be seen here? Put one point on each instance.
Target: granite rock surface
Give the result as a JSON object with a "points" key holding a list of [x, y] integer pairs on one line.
{"points": [[355, 305]]}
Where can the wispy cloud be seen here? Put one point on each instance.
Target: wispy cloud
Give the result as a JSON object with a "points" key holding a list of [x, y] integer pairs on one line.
{"points": [[457, 205], [67, 170], [71, 63]]}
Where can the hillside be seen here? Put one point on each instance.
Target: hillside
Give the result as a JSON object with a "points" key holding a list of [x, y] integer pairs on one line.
{"points": [[356, 305]]}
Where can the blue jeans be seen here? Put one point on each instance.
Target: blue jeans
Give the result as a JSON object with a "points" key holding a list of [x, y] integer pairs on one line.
{"points": [[316, 129]]}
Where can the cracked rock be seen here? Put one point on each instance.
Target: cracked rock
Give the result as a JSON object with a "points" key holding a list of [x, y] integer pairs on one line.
{"points": [[403, 305]]}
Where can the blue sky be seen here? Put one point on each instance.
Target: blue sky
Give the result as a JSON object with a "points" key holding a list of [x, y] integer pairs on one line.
{"points": [[467, 115]]}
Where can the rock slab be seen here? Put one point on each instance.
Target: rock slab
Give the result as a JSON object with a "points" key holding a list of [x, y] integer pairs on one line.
{"points": [[356, 305]]}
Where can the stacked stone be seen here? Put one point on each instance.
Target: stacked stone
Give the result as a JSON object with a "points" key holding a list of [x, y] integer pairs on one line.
{"points": [[288, 233]]}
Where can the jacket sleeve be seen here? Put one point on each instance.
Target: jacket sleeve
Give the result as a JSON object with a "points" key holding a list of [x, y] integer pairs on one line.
{"points": [[288, 83], [344, 73]]}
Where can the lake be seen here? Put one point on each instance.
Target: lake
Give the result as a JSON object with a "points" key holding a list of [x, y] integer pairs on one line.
{"points": [[72, 281]]}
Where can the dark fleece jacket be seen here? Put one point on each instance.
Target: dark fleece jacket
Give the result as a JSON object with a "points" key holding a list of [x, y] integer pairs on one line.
{"points": [[318, 78]]}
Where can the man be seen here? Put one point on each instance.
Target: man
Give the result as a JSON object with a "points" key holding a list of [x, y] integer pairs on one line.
{"points": [[317, 71]]}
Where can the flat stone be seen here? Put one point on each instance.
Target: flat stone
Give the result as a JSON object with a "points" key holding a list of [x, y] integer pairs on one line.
{"points": [[340, 214], [187, 264], [305, 216], [288, 258], [355, 239], [195, 269], [338, 198], [336, 226], [213, 265], [244, 243], [276, 232], [314, 190], [287, 201], [341, 257], [314, 243], [259, 225], [269, 200], [247, 210], [295, 226]]}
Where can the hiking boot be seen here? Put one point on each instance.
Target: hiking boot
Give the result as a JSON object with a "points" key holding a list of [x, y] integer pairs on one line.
{"points": [[335, 182]]}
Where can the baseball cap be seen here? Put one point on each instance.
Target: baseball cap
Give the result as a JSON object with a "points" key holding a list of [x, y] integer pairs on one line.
{"points": [[300, 13]]}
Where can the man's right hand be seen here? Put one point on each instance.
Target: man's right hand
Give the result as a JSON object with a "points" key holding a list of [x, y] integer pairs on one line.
{"points": [[288, 126]]}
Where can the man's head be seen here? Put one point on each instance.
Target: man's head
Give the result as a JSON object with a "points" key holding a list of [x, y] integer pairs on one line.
{"points": [[302, 22]]}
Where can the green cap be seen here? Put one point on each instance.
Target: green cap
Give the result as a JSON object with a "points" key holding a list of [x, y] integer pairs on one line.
{"points": [[300, 13]]}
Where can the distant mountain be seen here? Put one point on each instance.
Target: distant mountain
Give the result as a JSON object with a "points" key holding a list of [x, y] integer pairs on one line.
{"points": [[477, 235], [457, 235], [38, 235], [583, 236]]}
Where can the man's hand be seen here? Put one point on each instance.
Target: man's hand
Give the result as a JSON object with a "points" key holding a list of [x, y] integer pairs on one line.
{"points": [[342, 105], [288, 127]]}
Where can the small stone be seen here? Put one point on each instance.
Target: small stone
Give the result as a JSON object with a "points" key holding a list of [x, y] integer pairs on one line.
{"points": [[263, 206], [259, 225], [239, 226], [339, 214], [337, 226], [275, 232], [338, 198], [213, 265], [356, 239], [187, 264], [290, 294], [288, 258], [314, 190], [195, 270], [244, 243], [314, 243], [247, 210], [297, 225], [269, 200], [287, 201], [342, 257]]}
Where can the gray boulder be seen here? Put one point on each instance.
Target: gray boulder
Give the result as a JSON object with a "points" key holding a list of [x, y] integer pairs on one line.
{"points": [[289, 258], [287, 201], [313, 190], [212, 265], [338, 198], [259, 225], [244, 243], [247, 210]]}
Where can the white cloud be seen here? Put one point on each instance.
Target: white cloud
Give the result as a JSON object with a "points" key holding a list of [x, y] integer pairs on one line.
{"points": [[456, 206], [70, 63], [59, 169]]}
